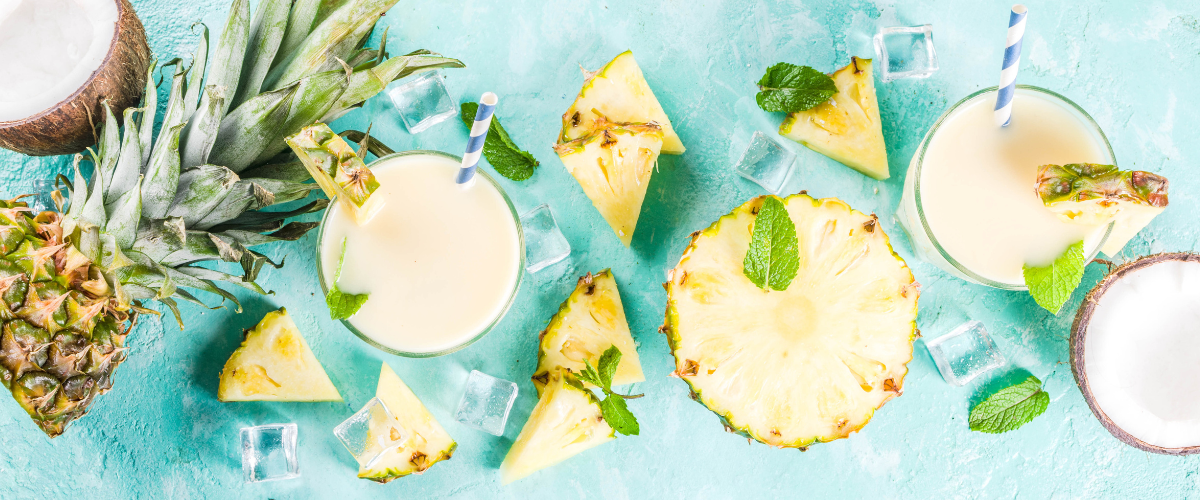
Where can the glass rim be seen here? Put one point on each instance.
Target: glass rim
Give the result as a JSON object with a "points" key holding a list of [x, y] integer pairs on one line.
{"points": [[919, 158], [512, 294]]}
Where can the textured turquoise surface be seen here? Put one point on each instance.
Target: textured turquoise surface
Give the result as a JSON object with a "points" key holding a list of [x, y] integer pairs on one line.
{"points": [[161, 433]]}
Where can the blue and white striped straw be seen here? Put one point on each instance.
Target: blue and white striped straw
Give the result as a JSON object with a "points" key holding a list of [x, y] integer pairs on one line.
{"points": [[479, 131], [1012, 60]]}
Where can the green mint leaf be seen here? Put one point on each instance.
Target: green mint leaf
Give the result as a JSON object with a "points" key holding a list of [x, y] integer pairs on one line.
{"points": [[1010, 407], [790, 88], [589, 375], [774, 255], [342, 305], [499, 149], [618, 416], [1051, 286], [608, 366]]}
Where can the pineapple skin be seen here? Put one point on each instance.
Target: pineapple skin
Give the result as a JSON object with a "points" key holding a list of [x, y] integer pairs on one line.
{"points": [[630, 369], [855, 104], [64, 333], [1092, 194], [728, 420]]}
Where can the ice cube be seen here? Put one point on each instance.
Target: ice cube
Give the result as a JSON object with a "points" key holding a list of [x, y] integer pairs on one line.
{"points": [[766, 163], [40, 199], [422, 102], [965, 353], [368, 447], [544, 243], [269, 453], [486, 402], [906, 52]]}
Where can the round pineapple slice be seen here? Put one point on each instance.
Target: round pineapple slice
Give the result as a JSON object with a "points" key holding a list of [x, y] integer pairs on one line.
{"points": [[805, 365]]}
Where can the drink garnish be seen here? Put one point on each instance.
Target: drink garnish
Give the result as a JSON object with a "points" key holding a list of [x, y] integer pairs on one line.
{"points": [[343, 305], [1051, 285], [500, 150]]}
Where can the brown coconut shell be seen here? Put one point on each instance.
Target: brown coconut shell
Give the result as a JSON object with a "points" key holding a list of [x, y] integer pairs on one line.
{"points": [[66, 128], [1079, 334]]}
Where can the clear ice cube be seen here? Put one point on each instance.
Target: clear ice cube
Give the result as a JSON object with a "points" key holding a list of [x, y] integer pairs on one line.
{"points": [[486, 402], [766, 163], [965, 353], [269, 453], [368, 447], [544, 243], [906, 52], [39, 191], [422, 102]]}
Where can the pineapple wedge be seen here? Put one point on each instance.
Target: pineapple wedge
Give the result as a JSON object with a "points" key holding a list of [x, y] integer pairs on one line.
{"points": [[618, 92], [806, 365], [566, 421], [1091, 194], [338, 170], [588, 323], [846, 127], [613, 165], [428, 444], [274, 363]]}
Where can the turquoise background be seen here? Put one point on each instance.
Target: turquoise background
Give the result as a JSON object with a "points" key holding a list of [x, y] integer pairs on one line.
{"points": [[161, 433]]}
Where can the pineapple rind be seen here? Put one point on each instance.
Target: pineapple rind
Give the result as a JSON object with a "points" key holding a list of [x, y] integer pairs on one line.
{"points": [[864, 150], [1092, 194], [648, 110], [586, 328], [729, 416], [274, 363]]}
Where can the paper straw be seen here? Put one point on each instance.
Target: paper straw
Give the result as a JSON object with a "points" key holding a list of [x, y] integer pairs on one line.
{"points": [[1012, 60], [479, 131]]}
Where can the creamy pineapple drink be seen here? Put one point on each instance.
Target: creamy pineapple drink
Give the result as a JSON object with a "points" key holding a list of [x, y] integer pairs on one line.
{"points": [[969, 203], [440, 262]]}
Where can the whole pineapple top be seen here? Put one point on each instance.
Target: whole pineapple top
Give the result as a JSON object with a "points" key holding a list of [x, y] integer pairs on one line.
{"points": [[158, 205]]}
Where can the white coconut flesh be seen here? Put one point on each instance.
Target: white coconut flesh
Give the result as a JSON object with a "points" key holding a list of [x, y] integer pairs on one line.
{"points": [[1142, 354], [49, 49]]}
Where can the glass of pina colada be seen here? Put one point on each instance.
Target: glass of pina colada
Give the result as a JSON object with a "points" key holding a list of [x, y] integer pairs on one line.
{"points": [[969, 204], [441, 262]]}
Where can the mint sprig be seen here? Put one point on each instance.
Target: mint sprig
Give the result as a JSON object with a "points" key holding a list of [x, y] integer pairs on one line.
{"points": [[790, 88], [774, 254], [343, 305], [613, 407], [1010, 408], [499, 149], [1051, 286]]}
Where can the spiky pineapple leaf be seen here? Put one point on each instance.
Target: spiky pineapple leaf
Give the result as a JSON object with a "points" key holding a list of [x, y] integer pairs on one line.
{"points": [[266, 34], [299, 25], [335, 38], [268, 221], [200, 189], [226, 68], [195, 80], [200, 134], [149, 108], [162, 175], [127, 172], [124, 215]]}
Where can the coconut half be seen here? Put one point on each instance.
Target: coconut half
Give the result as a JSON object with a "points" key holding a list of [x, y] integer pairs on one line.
{"points": [[1135, 352], [58, 60]]}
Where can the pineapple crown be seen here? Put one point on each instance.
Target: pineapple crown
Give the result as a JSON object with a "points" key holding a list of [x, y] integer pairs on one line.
{"points": [[156, 205]]}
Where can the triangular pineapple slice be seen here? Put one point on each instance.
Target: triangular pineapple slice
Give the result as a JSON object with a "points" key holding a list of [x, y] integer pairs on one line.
{"points": [[1092, 194], [274, 363], [619, 92], [846, 127], [428, 444], [566, 421], [589, 322], [613, 165]]}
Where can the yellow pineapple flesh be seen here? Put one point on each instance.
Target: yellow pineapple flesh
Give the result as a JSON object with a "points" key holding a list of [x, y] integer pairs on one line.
{"points": [[613, 166], [589, 322], [274, 363], [617, 92], [845, 128], [566, 421], [427, 443]]}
